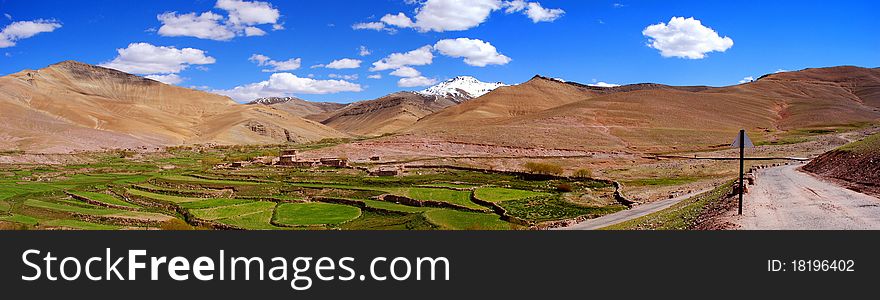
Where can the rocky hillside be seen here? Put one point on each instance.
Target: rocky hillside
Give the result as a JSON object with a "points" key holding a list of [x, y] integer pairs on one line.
{"points": [[74, 106], [857, 165]]}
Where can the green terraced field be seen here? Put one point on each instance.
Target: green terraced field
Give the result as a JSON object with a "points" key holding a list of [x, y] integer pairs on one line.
{"points": [[462, 198], [168, 198], [210, 203], [395, 207], [304, 214], [231, 211], [254, 221], [75, 224], [104, 198], [460, 220], [494, 194]]}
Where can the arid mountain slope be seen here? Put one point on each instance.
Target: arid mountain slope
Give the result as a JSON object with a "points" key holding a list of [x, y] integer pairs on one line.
{"points": [[856, 165], [384, 115], [75, 106], [546, 113], [298, 107]]}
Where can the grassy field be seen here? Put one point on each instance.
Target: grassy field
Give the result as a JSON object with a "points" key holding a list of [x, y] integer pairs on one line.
{"points": [[179, 184], [305, 214], [460, 220], [494, 194], [104, 198]]}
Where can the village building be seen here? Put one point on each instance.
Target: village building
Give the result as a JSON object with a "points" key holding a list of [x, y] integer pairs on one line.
{"points": [[334, 162]]}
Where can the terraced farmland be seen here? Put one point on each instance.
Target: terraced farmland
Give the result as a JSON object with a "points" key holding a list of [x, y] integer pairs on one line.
{"points": [[176, 190]]}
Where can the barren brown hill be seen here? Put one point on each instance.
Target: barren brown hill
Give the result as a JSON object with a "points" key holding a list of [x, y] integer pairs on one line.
{"points": [[383, 115], [75, 106], [545, 113], [299, 107], [857, 165]]}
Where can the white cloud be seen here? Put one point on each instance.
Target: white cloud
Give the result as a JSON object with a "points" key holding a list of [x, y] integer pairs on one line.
{"points": [[286, 84], [747, 79], [204, 26], [399, 20], [416, 81], [345, 63], [603, 84], [8, 16], [377, 26], [346, 77], [514, 6], [780, 71], [375, 76], [406, 72], [249, 13], [453, 15], [475, 52], [241, 21], [538, 13], [265, 61], [618, 5], [25, 29], [363, 51], [419, 57], [253, 31], [144, 58], [685, 38], [167, 79]]}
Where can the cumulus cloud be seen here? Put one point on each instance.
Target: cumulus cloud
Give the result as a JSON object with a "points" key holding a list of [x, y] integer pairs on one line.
{"points": [[475, 52], [241, 20], [207, 25], [345, 63], [458, 15], [538, 13], [377, 26], [275, 66], [287, 84], [416, 81], [406, 72], [249, 13], [346, 77], [747, 79], [399, 20], [167, 78], [363, 51], [375, 76], [685, 38], [24, 29], [419, 57], [144, 58], [604, 84]]}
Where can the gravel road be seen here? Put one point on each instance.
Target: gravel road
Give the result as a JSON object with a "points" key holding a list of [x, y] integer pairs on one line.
{"points": [[786, 198], [629, 214]]}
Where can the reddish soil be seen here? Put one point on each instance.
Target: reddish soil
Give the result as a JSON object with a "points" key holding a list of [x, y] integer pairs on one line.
{"points": [[859, 171]]}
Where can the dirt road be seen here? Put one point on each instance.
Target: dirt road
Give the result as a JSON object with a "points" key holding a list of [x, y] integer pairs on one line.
{"points": [[629, 214], [786, 198]]}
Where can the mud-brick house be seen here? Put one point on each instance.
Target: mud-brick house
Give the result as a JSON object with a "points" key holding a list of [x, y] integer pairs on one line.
{"points": [[386, 172], [334, 162]]}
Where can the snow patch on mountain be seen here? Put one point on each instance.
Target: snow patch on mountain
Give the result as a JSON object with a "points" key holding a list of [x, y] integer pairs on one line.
{"points": [[461, 88]]}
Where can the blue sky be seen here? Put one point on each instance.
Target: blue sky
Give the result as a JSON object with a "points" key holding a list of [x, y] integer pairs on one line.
{"points": [[582, 41]]}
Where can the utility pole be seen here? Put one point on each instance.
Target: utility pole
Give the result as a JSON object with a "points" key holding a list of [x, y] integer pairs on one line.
{"points": [[742, 142], [742, 160]]}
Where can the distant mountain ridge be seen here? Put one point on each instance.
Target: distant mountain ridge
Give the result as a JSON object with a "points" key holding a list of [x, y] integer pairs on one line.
{"points": [[72, 106], [461, 88]]}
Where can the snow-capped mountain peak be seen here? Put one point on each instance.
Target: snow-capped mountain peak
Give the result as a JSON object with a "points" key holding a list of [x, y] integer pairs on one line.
{"points": [[272, 100], [461, 88]]}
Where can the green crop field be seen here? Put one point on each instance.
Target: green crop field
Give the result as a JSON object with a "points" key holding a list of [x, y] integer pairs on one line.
{"points": [[104, 198], [230, 211], [460, 220], [460, 198], [153, 188], [494, 194], [301, 214]]}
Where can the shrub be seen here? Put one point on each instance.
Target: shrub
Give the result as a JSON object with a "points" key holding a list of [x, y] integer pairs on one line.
{"points": [[176, 224], [583, 173], [564, 187], [543, 168]]}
